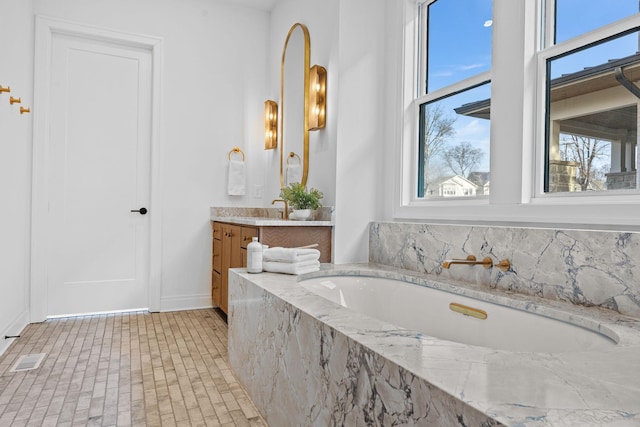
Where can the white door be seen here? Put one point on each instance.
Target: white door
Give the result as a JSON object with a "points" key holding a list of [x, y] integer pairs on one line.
{"points": [[97, 253]]}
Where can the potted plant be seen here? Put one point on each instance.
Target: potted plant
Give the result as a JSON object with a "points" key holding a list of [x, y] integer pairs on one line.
{"points": [[301, 200]]}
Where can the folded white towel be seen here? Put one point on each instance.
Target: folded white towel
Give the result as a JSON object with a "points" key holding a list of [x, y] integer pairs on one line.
{"points": [[290, 254], [295, 268], [294, 174], [236, 184]]}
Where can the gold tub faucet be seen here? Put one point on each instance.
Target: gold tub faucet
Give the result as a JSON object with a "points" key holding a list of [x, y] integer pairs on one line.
{"points": [[486, 262]]}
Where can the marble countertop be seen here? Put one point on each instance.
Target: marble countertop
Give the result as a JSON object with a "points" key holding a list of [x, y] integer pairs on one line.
{"points": [[270, 222], [268, 217], [590, 388]]}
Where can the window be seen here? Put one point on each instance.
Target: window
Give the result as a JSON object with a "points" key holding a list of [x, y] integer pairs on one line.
{"points": [[591, 97], [593, 15], [568, 161], [454, 98]]}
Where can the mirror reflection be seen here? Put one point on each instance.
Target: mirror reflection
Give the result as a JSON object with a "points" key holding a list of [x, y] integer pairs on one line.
{"points": [[294, 104]]}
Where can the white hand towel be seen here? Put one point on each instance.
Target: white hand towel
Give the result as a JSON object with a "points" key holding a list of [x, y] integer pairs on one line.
{"points": [[294, 268], [236, 184], [290, 254], [294, 174]]}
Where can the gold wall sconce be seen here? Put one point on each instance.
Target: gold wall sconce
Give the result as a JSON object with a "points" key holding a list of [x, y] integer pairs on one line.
{"points": [[270, 125], [5, 89], [13, 100], [317, 97]]}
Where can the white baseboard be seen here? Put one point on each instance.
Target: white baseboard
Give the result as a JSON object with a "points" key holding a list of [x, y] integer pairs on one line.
{"points": [[185, 302], [15, 328]]}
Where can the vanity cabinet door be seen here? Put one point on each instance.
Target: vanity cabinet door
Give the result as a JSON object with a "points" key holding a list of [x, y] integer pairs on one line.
{"points": [[217, 230], [231, 258], [217, 255], [216, 287], [216, 263], [248, 233]]}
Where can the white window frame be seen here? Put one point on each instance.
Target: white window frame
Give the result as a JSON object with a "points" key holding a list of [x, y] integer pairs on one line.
{"points": [[551, 51], [422, 96], [516, 169]]}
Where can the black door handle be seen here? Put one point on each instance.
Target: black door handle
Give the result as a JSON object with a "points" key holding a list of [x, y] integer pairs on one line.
{"points": [[141, 211]]}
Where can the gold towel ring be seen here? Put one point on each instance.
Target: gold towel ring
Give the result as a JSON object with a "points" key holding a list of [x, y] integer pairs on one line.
{"points": [[292, 155], [236, 150]]}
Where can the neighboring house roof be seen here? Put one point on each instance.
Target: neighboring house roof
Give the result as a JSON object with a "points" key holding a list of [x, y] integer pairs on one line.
{"points": [[479, 178], [588, 80], [456, 180]]}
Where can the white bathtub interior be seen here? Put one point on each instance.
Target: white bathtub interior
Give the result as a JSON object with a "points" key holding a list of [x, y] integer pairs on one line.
{"points": [[427, 311]]}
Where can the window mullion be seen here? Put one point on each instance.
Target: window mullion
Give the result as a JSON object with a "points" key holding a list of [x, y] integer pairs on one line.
{"points": [[457, 87]]}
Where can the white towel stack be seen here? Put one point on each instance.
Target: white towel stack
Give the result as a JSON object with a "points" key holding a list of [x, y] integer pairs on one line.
{"points": [[291, 260]]}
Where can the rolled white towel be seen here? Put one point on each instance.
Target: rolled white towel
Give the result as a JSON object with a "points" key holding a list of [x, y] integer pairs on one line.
{"points": [[295, 268], [290, 254]]}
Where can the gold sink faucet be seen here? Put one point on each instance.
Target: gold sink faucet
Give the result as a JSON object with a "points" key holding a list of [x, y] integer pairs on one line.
{"points": [[285, 212]]}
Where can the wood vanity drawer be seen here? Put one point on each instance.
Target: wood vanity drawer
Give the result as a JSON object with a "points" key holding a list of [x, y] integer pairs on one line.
{"points": [[216, 288], [217, 230], [247, 234], [217, 255]]}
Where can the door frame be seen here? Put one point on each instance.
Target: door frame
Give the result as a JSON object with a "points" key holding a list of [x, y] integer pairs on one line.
{"points": [[46, 27]]}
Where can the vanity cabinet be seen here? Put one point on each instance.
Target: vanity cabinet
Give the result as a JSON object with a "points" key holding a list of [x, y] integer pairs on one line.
{"points": [[230, 249]]}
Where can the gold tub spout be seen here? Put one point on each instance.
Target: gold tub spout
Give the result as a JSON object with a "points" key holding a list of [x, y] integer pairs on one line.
{"points": [[471, 260]]}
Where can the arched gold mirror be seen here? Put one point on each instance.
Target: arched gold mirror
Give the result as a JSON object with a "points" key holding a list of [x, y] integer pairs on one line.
{"points": [[294, 102]]}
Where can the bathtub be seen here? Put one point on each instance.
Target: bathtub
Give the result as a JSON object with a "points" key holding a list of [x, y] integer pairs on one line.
{"points": [[310, 352], [457, 318]]}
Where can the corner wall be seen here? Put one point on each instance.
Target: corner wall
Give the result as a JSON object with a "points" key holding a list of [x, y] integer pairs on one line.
{"points": [[346, 158], [16, 71]]}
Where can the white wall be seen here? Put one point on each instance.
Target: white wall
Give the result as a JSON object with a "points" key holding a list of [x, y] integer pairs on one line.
{"points": [[221, 62], [361, 127], [320, 18], [212, 100], [346, 159], [16, 71]]}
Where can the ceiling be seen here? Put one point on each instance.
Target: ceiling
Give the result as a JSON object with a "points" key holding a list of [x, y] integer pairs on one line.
{"points": [[256, 4]]}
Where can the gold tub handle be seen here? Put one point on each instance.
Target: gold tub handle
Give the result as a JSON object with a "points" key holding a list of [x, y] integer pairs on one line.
{"points": [[468, 311]]}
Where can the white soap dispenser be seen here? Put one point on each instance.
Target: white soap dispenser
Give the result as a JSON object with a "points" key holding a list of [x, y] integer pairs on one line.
{"points": [[254, 256]]}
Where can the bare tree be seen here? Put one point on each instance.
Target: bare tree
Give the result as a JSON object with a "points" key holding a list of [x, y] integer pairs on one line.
{"points": [[583, 150], [438, 127], [462, 158]]}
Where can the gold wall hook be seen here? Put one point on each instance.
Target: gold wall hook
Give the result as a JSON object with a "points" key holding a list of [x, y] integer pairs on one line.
{"points": [[24, 110], [5, 89], [13, 100]]}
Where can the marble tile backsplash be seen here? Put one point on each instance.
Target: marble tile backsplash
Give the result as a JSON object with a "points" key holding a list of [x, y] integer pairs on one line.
{"points": [[590, 268]]}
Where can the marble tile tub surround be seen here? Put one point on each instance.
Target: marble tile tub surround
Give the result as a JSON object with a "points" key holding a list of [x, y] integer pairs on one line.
{"points": [[589, 268], [324, 213], [307, 361]]}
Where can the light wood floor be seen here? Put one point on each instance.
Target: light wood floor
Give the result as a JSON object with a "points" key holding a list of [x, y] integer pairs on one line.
{"points": [[133, 369]]}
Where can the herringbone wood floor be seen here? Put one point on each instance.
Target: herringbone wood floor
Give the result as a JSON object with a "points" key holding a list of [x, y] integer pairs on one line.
{"points": [[132, 369]]}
